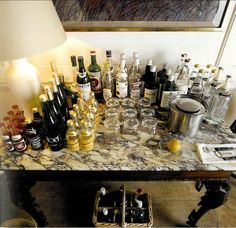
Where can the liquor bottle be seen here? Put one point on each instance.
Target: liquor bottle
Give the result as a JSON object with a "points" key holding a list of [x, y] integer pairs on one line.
{"points": [[86, 136], [122, 81], [83, 80], [107, 84], [95, 76], [55, 108], [72, 137], [197, 87], [192, 76], [51, 125], [180, 66], [207, 73], [109, 65], [60, 102], [38, 121], [123, 57], [135, 81], [17, 140], [161, 81], [76, 120], [33, 135], [71, 96], [169, 90], [74, 72], [145, 77], [150, 88], [183, 78], [220, 103], [135, 56], [161, 73], [6, 139], [210, 88]]}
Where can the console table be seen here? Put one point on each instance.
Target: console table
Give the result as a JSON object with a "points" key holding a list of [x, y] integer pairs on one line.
{"points": [[133, 157]]}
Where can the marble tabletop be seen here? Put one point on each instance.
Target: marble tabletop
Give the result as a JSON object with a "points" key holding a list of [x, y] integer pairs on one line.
{"points": [[137, 152]]}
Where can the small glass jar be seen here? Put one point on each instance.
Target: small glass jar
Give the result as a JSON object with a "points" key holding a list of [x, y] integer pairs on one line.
{"points": [[143, 102], [111, 112], [131, 125], [128, 102], [113, 102], [129, 113], [149, 125], [147, 112], [112, 130]]}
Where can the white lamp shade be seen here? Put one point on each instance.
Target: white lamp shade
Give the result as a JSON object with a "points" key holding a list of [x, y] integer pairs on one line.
{"points": [[28, 27]]}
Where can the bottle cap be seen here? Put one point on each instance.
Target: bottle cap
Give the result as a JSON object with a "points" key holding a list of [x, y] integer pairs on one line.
{"points": [[70, 123], [35, 109], [73, 61], [208, 66], [184, 55], [135, 55], [28, 120], [214, 71], [61, 78], [42, 98], [80, 58], [201, 71], [153, 69], [72, 114], [92, 52], [226, 85], [149, 62], [108, 53], [196, 65]]}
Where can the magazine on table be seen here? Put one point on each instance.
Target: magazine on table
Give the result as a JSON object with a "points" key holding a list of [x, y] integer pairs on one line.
{"points": [[216, 153]]}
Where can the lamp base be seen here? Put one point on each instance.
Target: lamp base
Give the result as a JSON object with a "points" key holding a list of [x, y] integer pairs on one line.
{"points": [[24, 83]]}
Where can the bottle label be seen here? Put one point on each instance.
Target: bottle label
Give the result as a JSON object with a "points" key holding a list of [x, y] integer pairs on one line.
{"points": [[135, 90], [85, 88], [166, 96], [19, 143], [34, 138], [107, 93], [95, 78], [182, 89], [151, 94], [54, 141], [121, 89], [7, 142]]}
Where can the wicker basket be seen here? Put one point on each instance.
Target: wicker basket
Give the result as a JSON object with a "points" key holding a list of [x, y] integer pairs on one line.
{"points": [[122, 209]]}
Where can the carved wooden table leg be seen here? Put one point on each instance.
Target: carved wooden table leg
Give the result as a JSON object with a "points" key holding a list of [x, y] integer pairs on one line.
{"points": [[21, 196], [216, 194]]}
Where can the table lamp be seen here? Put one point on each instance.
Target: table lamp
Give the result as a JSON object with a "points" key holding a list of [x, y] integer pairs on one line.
{"points": [[27, 28]]}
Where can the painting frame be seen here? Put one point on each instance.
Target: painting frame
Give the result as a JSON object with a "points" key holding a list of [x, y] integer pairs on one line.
{"points": [[136, 26]]}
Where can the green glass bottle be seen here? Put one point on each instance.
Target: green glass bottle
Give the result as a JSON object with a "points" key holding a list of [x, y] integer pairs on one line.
{"points": [[95, 76]]}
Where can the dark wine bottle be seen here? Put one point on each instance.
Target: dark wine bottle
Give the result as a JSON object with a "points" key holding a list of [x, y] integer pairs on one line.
{"points": [[83, 80], [145, 76], [51, 125]]}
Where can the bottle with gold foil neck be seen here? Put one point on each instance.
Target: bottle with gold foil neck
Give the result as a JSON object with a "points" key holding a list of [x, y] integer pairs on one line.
{"points": [[86, 136], [75, 119], [78, 111], [72, 137]]}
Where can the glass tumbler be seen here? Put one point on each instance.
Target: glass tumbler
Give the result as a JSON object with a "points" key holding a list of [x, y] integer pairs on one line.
{"points": [[128, 102], [149, 125], [112, 112], [131, 125], [143, 103], [112, 130], [113, 102], [147, 112], [129, 113]]}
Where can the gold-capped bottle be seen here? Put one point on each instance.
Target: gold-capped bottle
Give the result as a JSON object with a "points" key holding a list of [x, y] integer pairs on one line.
{"points": [[86, 136], [72, 137]]}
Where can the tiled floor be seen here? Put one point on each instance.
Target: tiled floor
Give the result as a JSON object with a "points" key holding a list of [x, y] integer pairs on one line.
{"points": [[71, 203]]}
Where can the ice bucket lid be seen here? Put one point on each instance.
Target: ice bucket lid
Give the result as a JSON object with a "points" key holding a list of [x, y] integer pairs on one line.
{"points": [[188, 105]]}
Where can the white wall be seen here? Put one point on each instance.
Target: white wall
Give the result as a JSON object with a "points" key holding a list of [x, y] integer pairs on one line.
{"points": [[202, 47]]}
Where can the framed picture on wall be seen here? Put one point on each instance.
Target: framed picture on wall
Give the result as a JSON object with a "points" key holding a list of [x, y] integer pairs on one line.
{"points": [[141, 15]]}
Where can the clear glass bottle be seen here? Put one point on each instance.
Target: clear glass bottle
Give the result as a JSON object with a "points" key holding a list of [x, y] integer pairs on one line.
{"points": [[135, 56], [94, 70], [123, 57], [83, 80], [197, 87], [135, 81], [86, 136], [122, 81], [193, 75], [180, 66], [72, 137], [220, 103], [107, 85], [150, 88], [169, 90], [207, 73], [145, 77], [183, 78], [109, 65]]}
